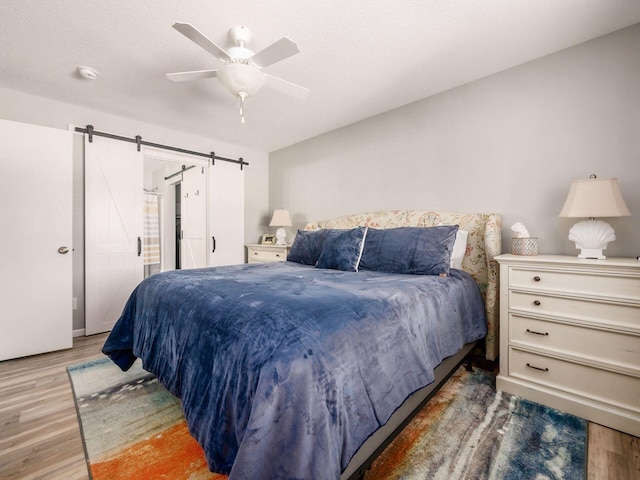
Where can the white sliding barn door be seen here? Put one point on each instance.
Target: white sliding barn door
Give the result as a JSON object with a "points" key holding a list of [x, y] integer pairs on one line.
{"points": [[226, 217], [35, 244], [193, 205], [113, 229]]}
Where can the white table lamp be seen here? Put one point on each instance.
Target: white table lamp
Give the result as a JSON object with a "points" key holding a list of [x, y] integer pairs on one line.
{"points": [[281, 218], [591, 198]]}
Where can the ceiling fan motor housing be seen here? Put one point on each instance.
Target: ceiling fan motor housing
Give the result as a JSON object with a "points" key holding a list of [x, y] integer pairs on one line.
{"points": [[240, 35]]}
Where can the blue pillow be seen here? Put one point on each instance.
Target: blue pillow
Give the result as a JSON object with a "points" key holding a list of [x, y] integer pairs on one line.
{"points": [[307, 247], [415, 250], [342, 249]]}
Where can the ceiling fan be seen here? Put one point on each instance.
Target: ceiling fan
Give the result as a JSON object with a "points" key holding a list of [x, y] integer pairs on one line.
{"points": [[241, 69]]}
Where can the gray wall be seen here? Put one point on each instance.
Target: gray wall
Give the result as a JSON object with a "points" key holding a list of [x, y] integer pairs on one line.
{"points": [[24, 108], [510, 143]]}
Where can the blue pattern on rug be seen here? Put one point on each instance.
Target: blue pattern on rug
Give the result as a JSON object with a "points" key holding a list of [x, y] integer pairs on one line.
{"points": [[471, 431]]}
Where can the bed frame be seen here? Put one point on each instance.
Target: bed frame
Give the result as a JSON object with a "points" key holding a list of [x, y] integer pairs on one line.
{"points": [[483, 244]]}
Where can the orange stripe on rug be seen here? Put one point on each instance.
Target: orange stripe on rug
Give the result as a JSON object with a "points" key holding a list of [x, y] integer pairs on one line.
{"points": [[395, 455], [172, 454]]}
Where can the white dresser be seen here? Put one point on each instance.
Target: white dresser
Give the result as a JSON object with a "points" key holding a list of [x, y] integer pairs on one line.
{"points": [[570, 335], [257, 253]]}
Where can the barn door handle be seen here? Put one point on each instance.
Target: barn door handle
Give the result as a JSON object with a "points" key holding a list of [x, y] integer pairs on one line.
{"points": [[139, 246], [213, 243]]}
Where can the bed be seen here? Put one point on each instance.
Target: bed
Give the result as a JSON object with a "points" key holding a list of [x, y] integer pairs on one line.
{"points": [[306, 368]]}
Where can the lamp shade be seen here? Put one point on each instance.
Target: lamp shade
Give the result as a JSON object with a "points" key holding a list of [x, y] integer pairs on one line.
{"points": [[594, 197], [281, 218]]}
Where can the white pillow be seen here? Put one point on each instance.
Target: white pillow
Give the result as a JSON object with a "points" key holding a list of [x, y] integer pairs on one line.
{"points": [[459, 249]]}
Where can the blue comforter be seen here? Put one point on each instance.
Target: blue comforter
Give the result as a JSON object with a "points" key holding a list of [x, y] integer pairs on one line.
{"points": [[284, 370]]}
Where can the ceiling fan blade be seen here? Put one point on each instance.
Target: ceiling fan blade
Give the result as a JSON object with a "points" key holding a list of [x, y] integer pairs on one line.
{"points": [[195, 75], [275, 52], [193, 34], [286, 87]]}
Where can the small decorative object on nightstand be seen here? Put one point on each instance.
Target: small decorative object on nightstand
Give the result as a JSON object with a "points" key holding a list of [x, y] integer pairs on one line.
{"points": [[570, 335], [268, 239], [259, 253], [591, 198]]}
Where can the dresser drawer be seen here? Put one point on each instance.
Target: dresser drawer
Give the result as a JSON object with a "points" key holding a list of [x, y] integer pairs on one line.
{"points": [[609, 313], [577, 283], [603, 345], [601, 385]]}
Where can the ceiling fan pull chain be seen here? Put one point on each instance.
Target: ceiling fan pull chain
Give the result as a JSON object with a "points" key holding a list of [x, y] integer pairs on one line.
{"points": [[242, 97]]}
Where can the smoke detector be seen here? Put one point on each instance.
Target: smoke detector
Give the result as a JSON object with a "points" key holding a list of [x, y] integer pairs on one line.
{"points": [[87, 72]]}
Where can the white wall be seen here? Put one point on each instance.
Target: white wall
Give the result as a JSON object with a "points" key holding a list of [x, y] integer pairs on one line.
{"points": [[25, 108], [510, 143]]}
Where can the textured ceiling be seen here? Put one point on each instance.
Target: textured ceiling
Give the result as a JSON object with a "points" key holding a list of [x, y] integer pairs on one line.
{"points": [[358, 57]]}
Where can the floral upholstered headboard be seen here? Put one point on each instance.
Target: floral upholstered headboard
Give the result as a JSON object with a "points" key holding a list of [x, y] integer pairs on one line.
{"points": [[484, 242]]}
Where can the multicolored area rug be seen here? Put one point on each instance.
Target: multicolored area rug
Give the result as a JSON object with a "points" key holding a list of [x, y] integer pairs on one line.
{"points": [[134, 429], [470, 431]]}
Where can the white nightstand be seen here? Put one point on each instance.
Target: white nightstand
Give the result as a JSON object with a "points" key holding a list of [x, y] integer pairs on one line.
{"points": [[570, 335], [257, 253]]}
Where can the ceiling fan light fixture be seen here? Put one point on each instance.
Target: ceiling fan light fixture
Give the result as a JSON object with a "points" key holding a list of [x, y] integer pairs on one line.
{"points": [[241, 80], [240, 77]]}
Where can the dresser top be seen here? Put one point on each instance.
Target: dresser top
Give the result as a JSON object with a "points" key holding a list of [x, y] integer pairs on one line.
{"points": [[267, 245], [569, 260]]}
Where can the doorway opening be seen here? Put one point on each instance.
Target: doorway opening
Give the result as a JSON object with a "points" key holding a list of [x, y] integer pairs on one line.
{"points": [[176, 194]]}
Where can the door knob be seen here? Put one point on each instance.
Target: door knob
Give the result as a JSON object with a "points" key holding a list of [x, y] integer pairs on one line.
{"points": [[63, 250]]}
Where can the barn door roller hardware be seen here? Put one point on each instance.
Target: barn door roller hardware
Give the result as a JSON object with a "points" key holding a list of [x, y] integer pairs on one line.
{"points": [[90, 131]]}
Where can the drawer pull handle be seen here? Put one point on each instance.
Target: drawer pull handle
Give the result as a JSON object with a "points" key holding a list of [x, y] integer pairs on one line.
{"points": [[537, 333], [545, 369], [278, 255], [536, 303], [255, 253], [536, 278]]}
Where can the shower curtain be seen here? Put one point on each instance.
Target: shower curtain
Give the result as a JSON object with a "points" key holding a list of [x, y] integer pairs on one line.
{"points": [[151, 240]]}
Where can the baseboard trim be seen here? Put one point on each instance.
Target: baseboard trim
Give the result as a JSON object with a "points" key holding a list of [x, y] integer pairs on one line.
{"points": [[79, 333]]}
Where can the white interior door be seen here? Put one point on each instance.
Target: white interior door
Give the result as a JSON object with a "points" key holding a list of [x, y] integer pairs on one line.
{"points": [[226, 217], [193, 245], [36, 210], [113, 229]]}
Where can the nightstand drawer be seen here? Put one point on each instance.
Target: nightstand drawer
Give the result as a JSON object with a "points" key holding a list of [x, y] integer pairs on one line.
{"points": [[606, 346], [577, 283], [269, 256], [257, 253], [601, 385], [613, 313]]}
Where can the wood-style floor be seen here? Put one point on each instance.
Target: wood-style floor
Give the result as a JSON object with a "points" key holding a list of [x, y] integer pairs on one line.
{"points": [[40, 435]]}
